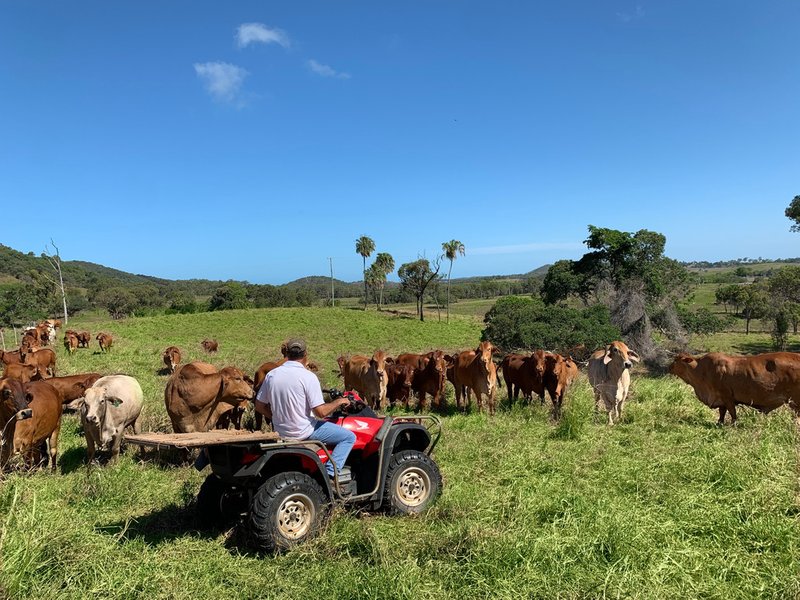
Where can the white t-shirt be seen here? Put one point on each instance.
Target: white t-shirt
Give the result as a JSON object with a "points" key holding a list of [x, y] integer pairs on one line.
{"points": [[292, 391]]}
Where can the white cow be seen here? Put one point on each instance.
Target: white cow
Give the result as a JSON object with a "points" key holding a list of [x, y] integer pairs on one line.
{"points": [[610, 378], [110, 405]]}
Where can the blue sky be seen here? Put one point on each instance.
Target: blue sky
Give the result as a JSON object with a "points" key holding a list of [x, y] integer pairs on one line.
{"points": [[252, 140]]}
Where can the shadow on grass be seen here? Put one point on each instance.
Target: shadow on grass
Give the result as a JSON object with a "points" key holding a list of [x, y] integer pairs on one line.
{"points": [[72, 460], [162, 525]]}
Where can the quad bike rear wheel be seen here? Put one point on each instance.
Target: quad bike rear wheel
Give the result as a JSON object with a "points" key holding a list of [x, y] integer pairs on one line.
{"points": [[413, 482], [288, 509]]}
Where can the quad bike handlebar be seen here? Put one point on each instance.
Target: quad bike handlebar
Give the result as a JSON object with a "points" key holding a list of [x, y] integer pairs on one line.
{"points": [[355, 406]]}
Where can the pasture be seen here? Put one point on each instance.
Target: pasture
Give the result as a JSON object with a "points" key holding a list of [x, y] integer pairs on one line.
{"points": [[664, 505]]}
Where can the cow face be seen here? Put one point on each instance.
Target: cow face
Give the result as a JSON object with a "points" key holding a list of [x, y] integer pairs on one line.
{"points": [[484, 353], [235, 385], [378, 362], [683, 365], [12, 397], [97, 411], [404, 374], [341, 361], [618, 352]]}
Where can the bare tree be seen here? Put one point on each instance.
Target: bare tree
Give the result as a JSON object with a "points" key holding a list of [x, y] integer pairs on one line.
{"points": [[54, 258]]}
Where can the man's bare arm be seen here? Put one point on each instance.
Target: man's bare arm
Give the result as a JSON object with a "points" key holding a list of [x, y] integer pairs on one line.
{"points": [[323, 410], [264, 409]]}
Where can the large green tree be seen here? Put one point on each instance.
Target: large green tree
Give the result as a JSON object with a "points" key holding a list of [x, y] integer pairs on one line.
{"points": [[365, 246], [452, 250]]}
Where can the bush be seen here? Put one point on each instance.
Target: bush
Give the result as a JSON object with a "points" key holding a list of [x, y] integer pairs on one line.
{"points": [[702, 321], [525, 323], [229, 296]]}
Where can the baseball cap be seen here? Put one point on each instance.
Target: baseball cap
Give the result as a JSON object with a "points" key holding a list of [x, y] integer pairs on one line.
{"points": [[296, 346]]}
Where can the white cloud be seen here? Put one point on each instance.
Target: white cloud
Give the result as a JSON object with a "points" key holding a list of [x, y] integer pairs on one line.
{"points": [[325, 70], [627, 17], [521, 248], [258, 33], [222, 80]]}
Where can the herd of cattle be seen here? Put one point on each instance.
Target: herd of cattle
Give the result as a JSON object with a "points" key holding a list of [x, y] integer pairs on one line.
{"points": [[200, 397]]}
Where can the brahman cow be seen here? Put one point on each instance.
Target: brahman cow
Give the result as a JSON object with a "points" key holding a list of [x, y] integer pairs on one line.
{"points": [[113, 403], [523, 373], [22, 372], [366, 375], [610, 377], [105, 341], [44, 359], [210, 346], [11, 357], [430, 375], [172, 358], [763, 381], [197, 395], [43, 424], [73, 387], [475, 371]]}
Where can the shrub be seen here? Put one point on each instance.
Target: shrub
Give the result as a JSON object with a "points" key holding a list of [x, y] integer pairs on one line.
{"points": [[516, 323]]}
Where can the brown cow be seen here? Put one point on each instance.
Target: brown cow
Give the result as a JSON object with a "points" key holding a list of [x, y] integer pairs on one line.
{"points": [[476, 372], [22, 372], [197, 395], [430, 374], [44, 359], [398, 386], [105, 341], [210, 346], [28, 342], [524, 374], [12, 401], [172, 358], [610, 377], [73, 387], [43, 424], [366, 375], [84, 337], [559, 373], [70, 341], [763, 381], [10, 357]]}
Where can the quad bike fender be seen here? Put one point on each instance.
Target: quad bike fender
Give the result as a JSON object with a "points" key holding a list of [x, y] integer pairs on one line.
{"points": [[401, 436], [299, 459]]}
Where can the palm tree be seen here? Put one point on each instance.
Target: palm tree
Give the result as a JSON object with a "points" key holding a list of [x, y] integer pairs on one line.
{"points": [[385, 263], [451, 251], [365, 246]]}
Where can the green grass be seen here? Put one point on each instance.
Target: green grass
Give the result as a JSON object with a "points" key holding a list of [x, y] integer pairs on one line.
{"points": [[664, 505]]}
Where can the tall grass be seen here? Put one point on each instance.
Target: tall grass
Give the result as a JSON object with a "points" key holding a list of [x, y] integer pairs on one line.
{"points": [[664, 505]]}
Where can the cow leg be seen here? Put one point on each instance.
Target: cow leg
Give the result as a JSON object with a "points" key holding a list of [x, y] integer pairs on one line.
{"points": [[722, 412], [259, 421], [89, 449], [137, 425], [732, 410], [53, 443], [115, 448]]}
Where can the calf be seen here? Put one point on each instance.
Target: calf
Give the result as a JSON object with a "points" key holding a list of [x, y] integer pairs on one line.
{"points": [[398, 385], [105, 341], [110, 405], [210, 346], [44, 359], [610, 378], [84, 337], [475, 371], [171, 358], [10, 357], [70, 342], [43, 425], [430, 374], [559, 373], [366, 375]]}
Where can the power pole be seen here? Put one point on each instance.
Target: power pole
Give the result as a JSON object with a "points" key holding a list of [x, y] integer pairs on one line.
{"points": [[333, 292]]}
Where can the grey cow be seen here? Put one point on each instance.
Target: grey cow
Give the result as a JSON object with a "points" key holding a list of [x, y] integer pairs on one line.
{"points": [[113, 403]]}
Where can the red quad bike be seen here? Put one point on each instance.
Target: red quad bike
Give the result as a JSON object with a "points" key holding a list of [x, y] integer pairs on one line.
{"points": [[282, 490]]}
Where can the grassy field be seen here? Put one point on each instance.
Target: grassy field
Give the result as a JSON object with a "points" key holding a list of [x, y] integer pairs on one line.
{"points": [[665, 505]]}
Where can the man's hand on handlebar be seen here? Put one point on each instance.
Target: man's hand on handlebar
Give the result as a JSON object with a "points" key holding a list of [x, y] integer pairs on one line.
{"points": [[325, 410]]}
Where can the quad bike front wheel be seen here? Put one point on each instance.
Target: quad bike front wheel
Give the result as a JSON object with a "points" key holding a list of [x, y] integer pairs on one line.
{"points": [[413, 482], [288, 509]]}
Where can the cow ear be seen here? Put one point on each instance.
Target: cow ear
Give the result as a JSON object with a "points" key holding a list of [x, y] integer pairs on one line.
{"points": [[633, 356], [607, 356], [495, 350], [116, 401], [448, 358], [389, 360], [687, 359], [7, 393]]}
